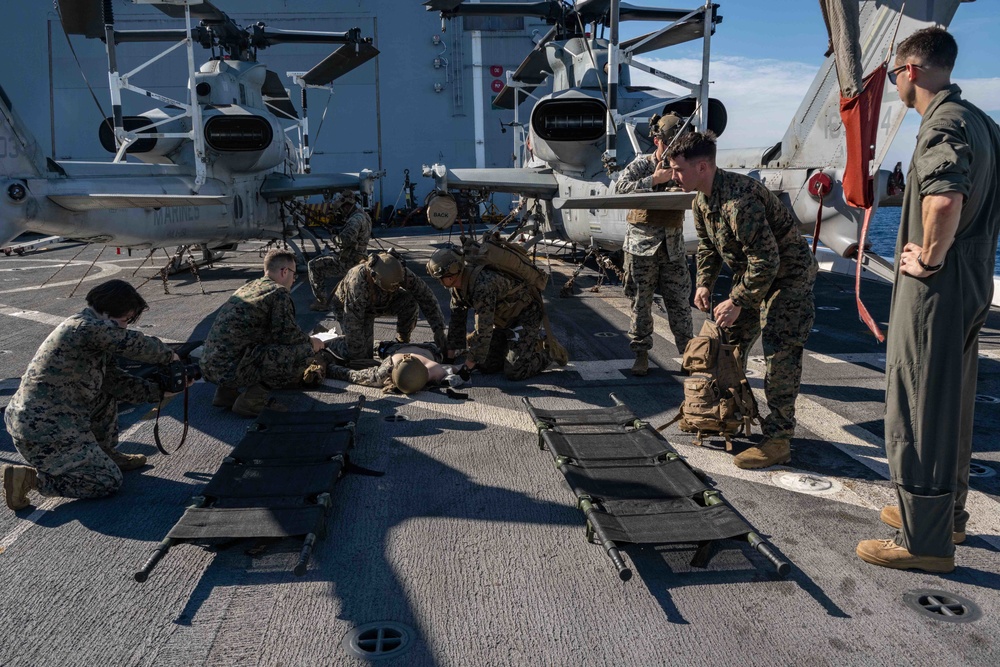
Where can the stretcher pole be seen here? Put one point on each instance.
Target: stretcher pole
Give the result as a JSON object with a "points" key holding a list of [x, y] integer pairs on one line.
{"points": [[587, 507], [756, 541]]}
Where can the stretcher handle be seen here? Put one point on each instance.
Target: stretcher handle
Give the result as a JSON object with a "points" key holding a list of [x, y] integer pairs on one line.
{"points": [[624, 573], [763, 548], [161, 550], [306, 553]]}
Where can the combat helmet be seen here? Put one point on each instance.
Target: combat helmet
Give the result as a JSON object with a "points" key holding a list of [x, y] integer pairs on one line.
{"points": [[409, 375], [387, 271], [665, 126], [445, 262], [345, 199]]}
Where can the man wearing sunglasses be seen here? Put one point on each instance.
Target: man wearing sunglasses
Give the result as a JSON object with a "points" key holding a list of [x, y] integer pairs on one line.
{"points": [[64, 417], [945, 256]]}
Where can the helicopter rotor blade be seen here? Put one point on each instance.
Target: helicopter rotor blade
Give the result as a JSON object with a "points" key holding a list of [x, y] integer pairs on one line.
{"points": [[203, 11], [276, 97], [550, 10], [533, 70], [686, 31], [346, 58]]}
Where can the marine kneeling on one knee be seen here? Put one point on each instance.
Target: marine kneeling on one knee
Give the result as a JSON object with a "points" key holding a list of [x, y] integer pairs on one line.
{"points": [[62, 421], [256, 343]]}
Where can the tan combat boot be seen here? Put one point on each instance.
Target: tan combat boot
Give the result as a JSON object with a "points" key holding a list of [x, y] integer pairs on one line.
{"points": [[254, 400], [18, 481], [890, 516], [641, 365], [126, 462], [771, 452], [225, 396], [886, 553]]}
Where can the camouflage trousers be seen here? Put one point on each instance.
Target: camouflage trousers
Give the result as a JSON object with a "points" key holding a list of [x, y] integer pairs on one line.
{"points": [[784, 318], [667, 274], [276, 366], [323, 271], [359, 328], [76, 464], [517, 350]]}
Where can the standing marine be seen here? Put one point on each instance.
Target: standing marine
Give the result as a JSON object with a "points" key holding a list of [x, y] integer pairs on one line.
{"points": [[742, 224], [63, 418], [255, 341], [352, 242], [655, 261], [509, 316], [945, 263], [379, 287]]}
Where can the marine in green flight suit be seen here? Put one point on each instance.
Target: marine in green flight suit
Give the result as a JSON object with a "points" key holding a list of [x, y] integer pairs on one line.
{"points": [[945, 259]]}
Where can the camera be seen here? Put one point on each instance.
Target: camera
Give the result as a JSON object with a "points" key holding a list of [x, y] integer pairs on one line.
{"points": [[173, 377]]}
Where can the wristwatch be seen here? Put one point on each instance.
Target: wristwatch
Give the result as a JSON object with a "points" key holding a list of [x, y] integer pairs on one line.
{"points": [[928, 267]]}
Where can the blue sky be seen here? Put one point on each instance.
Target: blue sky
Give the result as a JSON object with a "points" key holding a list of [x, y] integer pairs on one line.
{"points": [[765, 54]]}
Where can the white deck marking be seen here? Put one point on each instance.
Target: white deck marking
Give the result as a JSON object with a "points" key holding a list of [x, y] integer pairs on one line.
{"points": [[600, 370], [52, 320], [48, 504]]}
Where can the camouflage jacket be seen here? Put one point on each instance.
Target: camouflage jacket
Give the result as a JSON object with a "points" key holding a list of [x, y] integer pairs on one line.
{"points": [[353, 237], [259, 313], [643, 240], [73, 369], [746, 226], [363, 298], [497, 299]]}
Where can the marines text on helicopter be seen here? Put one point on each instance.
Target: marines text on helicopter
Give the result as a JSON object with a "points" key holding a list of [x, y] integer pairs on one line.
{"points": [[211, 170]]}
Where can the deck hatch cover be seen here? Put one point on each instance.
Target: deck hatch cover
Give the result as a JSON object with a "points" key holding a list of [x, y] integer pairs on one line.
{"points": [[943, 606], [378, 641]]}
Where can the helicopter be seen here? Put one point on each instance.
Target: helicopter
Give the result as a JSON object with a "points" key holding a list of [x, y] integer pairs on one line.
{"points": [[573, 134], [207, 171]]}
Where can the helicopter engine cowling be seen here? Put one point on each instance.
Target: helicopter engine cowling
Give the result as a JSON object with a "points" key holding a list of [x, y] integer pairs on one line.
{"points": [[244, 141], [567, 127], [145, 149]]}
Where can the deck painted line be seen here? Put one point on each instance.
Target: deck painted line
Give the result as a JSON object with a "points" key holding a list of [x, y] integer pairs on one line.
{"points": [[54, 320], [48, 505]]}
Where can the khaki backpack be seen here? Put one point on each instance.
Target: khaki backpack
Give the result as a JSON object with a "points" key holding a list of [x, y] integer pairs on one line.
{"points": [[718, 400], [513, 260]]}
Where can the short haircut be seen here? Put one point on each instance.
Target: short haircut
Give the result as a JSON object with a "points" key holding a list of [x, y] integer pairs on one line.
{"points": [[692, 145], [277, 259], [117, 298], [931, 46]]}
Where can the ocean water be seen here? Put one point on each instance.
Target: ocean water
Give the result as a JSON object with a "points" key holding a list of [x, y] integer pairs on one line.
{"points": [[882, 234]]}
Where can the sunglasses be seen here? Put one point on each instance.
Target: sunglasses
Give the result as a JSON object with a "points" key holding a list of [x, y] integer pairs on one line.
{"points": [[891, 74]]}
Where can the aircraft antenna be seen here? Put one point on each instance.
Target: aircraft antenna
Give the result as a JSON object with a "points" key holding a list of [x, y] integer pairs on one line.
{"points": [[114, 79]]}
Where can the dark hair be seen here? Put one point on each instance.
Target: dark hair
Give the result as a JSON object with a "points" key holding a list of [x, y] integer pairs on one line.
{"points": [[691, 145], [117, 298], [278, 258], [931, 46]]}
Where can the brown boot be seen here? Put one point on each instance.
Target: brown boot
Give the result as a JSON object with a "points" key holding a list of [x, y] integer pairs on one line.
{"points": [[771, 452], [890, 517], [18, 481], [886, 553], [225, 396], [641, 365], [254, 400], [127, 462]]}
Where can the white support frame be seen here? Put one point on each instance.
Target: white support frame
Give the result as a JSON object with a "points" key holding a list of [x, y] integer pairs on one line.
{"points": [[191, 110]]}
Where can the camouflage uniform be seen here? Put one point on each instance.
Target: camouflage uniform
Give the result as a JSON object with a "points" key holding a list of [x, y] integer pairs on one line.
{"points": [[508, 318], [64, 417], [655, 262], [357, 301], [255, 339], [353, 243], [744, 225]]}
